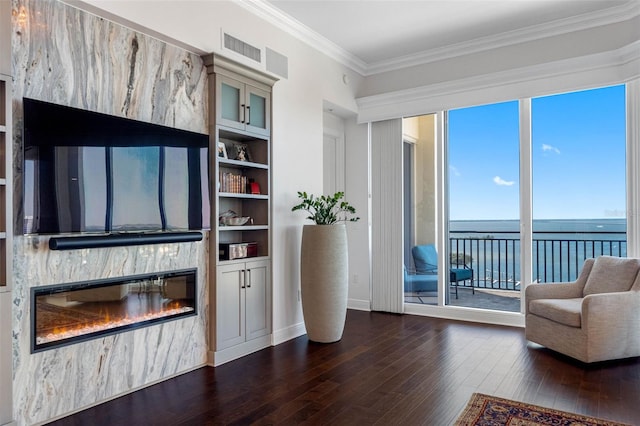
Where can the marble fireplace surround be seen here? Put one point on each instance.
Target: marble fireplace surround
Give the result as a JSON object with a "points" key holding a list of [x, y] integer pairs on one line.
{"points": [[63, 55]]}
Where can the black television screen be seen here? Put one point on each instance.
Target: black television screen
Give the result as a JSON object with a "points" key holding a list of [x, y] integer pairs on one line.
{"points": [[86, 172]]}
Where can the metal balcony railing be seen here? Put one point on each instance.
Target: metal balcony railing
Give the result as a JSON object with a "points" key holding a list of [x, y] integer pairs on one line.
{"points": [[557, 256]]}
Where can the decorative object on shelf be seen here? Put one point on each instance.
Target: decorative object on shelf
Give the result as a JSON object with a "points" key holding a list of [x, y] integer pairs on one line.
{"points": [[231, 218], [222, 150], [254, 187], [235, 221], [324, 268], [229, 213], [242, 152], [231, 251]]}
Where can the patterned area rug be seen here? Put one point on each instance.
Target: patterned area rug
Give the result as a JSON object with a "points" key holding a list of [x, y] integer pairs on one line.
{"points": [[485, 410]]}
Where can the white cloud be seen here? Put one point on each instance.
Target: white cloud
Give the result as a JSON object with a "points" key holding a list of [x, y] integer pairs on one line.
{"points": [[499, 181], [546, 147], [454, 171]]}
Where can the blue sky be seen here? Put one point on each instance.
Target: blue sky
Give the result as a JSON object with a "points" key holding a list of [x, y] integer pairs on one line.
{"points": [[578, 154]]}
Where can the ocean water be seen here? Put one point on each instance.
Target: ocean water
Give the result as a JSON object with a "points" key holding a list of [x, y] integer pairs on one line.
{"points": [[492, 248], [584, 227]]}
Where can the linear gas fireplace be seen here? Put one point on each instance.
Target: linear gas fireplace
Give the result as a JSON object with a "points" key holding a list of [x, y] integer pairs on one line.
{"points": [[70, 313]]}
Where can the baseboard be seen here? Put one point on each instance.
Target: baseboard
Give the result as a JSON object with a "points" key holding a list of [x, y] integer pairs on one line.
{"points": [[359, 305], [510, 319], [288, 333], [243, 349]]}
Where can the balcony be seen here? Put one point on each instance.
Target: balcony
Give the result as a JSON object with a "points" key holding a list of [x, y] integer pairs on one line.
{"points": [[495, 259]]}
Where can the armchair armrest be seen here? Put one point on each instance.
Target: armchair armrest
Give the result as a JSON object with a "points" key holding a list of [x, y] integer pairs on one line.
{"points": [[552, 291], [611, 312]]}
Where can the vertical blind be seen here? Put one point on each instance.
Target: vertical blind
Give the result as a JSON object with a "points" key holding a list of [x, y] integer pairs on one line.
{"points": [[386, 216]]}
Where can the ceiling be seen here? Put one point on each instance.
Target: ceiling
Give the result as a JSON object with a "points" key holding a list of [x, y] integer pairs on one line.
{"points": [[381, 34]]}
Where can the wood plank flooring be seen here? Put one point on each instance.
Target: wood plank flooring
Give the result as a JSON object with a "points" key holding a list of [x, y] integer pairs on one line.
{"points": [[387, 370]]}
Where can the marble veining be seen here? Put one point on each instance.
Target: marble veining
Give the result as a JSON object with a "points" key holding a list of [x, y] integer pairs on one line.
{"points": [[64, 55]]}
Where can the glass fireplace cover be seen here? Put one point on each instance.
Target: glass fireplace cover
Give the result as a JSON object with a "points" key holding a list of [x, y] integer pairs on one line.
{"points": [[68, 313]]}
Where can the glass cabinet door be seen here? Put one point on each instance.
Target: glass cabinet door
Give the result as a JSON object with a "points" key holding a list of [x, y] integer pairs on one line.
{"points": [[230, 103], [242, 106], [257, 110]]}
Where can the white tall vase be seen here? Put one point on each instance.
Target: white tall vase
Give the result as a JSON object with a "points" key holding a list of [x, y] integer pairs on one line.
{"points": [[324, 276]]}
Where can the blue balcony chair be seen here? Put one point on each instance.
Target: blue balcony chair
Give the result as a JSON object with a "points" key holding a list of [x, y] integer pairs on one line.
{"points": [[425, 258], [420, 282]]}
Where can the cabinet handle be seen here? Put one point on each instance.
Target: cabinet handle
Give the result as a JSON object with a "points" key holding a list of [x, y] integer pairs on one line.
{"points": [[242, 279], [248, 278], [248, 116], [243, 111]]}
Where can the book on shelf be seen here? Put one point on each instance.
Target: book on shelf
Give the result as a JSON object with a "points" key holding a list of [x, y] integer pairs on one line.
{"points": [[233, 183]]}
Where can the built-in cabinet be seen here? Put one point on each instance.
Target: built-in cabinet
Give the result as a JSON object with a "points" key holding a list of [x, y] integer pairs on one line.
{"points": [[246, 312], [6, 209], [240, 138]]}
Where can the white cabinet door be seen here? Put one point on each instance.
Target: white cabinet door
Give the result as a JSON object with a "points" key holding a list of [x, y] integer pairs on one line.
{"points": [[230, 306], [258, 299], [243, 292]]}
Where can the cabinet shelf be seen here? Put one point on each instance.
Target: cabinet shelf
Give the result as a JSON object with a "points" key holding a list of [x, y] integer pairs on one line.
{"points": [[243, 260], [244, 228], [245, 196], [242, 164]]}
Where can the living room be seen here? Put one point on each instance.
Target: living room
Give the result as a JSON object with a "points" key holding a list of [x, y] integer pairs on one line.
{"points": [[123, 58]]}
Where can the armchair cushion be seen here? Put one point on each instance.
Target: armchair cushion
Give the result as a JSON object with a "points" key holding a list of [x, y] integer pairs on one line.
{"points": [[611, 274], [563, 311]]}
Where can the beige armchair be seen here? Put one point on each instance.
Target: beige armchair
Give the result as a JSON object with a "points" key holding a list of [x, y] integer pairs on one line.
{"points": [[595, 318]]}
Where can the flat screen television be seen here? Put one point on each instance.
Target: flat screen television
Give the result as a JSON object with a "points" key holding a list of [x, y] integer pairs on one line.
{"points": [[89, 173]]}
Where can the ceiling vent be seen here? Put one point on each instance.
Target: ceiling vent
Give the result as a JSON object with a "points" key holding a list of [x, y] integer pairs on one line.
{"points": [[242, 48]]}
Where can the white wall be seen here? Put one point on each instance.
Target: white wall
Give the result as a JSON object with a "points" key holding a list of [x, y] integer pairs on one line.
{"points": [[357, 191], [297, 118]]}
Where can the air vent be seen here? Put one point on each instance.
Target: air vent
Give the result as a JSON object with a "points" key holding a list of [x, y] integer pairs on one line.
{"points": [[244, 49], [277, 63]]}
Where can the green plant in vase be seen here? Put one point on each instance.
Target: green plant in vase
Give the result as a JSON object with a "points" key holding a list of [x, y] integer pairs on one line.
{"points": [[326, 209]]}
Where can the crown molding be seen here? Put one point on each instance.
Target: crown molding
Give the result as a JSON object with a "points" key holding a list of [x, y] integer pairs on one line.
{"points": [[558, 27], [302, 32], [271, 14], [607, 68]]}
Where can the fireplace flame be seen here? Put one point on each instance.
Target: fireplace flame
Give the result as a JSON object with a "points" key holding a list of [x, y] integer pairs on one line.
{"points": [[106, 323]]}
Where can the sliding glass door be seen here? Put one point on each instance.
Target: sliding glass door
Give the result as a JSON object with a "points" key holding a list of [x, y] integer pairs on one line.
{"points": [[578, 156], [484, 226], [533, 187]]}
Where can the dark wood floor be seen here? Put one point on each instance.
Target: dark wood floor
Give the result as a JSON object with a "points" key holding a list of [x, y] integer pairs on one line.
{"points": [[387, 369]]}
